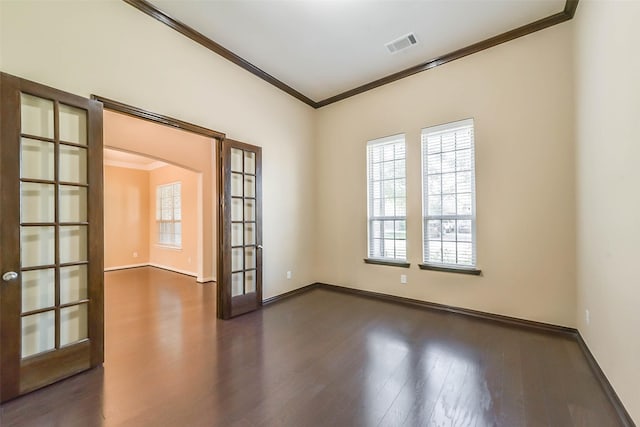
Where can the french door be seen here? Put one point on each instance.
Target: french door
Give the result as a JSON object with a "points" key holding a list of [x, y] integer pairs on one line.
{"points": [[51, 235], [240, 225]]}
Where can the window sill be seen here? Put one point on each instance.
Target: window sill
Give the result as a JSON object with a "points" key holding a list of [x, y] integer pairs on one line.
{"points": [[388, 262], [471, 271], [171, 247]]}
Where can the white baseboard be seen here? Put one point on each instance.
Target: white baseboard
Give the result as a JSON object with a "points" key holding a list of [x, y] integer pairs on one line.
{"points": [[124, 267], [164, 267], [175, 270], [205, 279]]}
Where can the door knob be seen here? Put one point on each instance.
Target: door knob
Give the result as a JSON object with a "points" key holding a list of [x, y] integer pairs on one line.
{"points": [[9, 276], [259, 246]]}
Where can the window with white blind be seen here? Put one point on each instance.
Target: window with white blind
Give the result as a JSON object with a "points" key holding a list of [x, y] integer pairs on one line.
{"points": [[387, 194], [448, 186], [169, 214]]}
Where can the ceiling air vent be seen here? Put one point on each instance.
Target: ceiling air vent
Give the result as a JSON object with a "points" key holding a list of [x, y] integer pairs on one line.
{"points": [[401, 43]]}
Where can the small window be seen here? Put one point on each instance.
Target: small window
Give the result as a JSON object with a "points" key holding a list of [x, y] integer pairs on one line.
{"points": [[169, 214], [387, 210], [448, 187]]}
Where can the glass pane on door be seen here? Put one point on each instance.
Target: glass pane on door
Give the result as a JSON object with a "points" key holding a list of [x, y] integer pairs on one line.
{"points": [[250, 281], [38, 289], [73, 324], [73, 243], [236, 185], [37, 202], [37, 159], [73, 164], [38, 333], [249, 162], [73, 204], [236, 160], [36, 116], [73, 124], [37, 246], [237, 287], [73, 284]]}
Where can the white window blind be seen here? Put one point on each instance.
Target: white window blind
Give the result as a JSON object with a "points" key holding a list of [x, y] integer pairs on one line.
{"points": [[169, 214], [387, 210], [448, 186]]}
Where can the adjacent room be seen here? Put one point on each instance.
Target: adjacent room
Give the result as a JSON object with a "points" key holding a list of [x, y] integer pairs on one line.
{"points": [[306, 213]]}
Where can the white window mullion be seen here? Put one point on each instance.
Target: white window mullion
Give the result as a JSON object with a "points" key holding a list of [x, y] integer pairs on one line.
{"points": [[169, 214], [447, 149], [382, 156]]}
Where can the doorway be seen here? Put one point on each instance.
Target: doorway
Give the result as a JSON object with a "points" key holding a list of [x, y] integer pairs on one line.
{"points": [[56, 246], [164, 155], [160, 207]]}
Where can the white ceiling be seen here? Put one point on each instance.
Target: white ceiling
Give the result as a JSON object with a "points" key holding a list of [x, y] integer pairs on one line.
{"points": [[124, 159], [325, 47]]}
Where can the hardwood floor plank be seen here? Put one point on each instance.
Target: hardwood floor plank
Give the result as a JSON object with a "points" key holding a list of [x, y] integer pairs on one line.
{"points": [[321, 358]]}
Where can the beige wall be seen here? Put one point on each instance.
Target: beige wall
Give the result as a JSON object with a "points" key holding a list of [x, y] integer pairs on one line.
{"points": [[607, 75], [524, 170], [126, 213], [111, 49], [521, 95], [183, 259]]}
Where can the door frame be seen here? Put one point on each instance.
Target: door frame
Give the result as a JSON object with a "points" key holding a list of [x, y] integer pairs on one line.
{"points": [[140, 113]]}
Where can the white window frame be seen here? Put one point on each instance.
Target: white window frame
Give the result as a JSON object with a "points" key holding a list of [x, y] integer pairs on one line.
{"points": [[167, 219], [377, 217], [435, 131]]}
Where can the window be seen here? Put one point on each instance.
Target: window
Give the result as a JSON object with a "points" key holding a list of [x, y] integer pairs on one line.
{"points": [[387, 208], [169, 215], [448, 186]]}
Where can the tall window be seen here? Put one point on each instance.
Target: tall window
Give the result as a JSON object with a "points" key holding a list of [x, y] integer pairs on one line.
{"points": [[169, 214], [448, 186], [387, 213]]}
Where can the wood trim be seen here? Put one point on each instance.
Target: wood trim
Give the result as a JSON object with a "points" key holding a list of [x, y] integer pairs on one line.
{"points": [[9, 259], [570, 8], [481, 315], [140, 113], [95, 198], [222, 211], [48, 368], [608, 389], [199, 38], [524, 30], [471, 271], [390, 263], [548, 328], [278, 298], [549, 21]]}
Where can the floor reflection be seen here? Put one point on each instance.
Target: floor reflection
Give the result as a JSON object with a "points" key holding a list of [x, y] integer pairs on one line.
{"points": [[78, 401], [439, 383], [318, 359]]}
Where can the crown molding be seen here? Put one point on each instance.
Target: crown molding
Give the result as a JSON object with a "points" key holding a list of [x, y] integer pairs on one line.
{"points": [[131, 165], [549, 21]]}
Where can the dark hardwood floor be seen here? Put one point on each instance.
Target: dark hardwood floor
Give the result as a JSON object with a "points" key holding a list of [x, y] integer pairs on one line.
{"points": [[318, 359]]}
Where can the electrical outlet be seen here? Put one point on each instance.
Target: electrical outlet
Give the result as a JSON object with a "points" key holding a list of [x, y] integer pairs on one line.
{"points": [[403, 279], [288, 275], [587, 316], [135, 254]]}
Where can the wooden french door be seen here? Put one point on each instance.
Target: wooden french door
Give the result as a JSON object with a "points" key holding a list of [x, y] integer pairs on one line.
{"points": [[240, 225], [51, 235]]}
